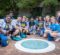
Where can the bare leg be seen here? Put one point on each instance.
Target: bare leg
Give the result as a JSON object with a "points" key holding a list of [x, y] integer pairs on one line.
{"points": [[16, 32], [45, 35], [53, 34]]}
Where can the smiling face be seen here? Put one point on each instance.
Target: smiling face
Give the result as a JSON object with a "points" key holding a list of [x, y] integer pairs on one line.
{"points": [[8, 19], [31, 19], [58, 14], [53, 20], [40, 18], [47, 18], [19, 19], [27, 19], [23, 19]]}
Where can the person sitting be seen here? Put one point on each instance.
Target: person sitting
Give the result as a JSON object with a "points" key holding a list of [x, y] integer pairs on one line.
{"points": [[56, 34], [6, 29], [51, 29], [32, 27], [40, 29], [24, 27], [16, 35]]}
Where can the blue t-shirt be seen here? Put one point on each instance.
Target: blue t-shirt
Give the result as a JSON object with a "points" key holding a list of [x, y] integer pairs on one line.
{"points": [[58, 28], [36, 22], [53, 27]]}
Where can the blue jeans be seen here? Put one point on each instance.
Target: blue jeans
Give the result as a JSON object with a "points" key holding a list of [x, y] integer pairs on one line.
{"points": [[50, 38], [41, 31], [32, 29]]}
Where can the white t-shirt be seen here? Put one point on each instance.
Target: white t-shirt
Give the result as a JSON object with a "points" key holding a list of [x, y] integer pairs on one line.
{"points": [[6, 26]]}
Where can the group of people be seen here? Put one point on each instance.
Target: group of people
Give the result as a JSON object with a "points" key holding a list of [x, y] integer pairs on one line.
{"points": [[17, 29]]}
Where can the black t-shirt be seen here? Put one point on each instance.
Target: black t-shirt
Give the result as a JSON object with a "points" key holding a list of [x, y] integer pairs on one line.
{"points": [[23, 24], [31, 23]]}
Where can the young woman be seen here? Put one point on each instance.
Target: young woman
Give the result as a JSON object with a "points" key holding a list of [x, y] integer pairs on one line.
{"points": [[56, 34], [51, 29], [46, 22]]}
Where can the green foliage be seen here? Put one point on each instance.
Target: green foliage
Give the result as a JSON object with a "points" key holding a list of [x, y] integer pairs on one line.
{"points": [[14, 4], [26, 4], [23, 4], [4, 4], [47, 3]]}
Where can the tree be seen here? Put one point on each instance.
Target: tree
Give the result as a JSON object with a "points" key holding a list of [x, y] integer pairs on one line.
{"points": [[3, 6], [6, 5], [47, 3], [50, 6], [16, 5], [27, 4]]}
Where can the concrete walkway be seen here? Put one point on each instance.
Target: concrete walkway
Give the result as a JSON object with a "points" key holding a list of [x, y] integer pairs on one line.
{"points": [[11, 50]]}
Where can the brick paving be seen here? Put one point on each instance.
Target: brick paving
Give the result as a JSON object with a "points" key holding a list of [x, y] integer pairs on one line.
{"points": [[11, 50]]}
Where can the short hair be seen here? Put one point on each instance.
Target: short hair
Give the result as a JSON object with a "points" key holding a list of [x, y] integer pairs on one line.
{"points": [[58, 19]]}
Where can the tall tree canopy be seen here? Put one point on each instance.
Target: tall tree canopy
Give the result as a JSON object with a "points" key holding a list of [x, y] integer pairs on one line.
{"points": [[27, 3], [23, 4], [50, 3], [20, 4]]}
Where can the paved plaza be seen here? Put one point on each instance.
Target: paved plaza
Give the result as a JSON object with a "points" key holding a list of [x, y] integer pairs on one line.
{"points": [[11, 50]]}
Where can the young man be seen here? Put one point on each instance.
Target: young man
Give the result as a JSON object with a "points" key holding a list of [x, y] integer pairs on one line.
{"points": [[24, 27], [36, 21], [6, 29], [32, 27], [21, 28], [16, 35], [40, 28]]}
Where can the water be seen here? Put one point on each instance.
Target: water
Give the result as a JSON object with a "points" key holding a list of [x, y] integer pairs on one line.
{"points": [[34, 44]]}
